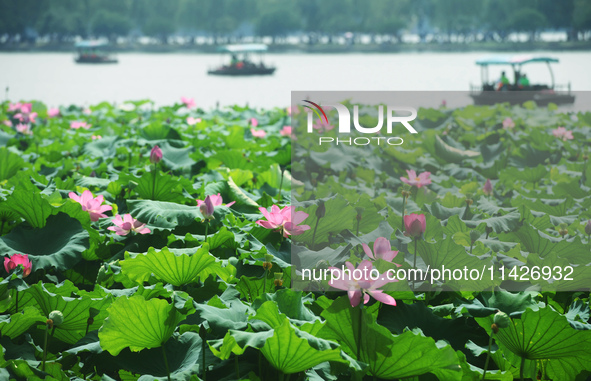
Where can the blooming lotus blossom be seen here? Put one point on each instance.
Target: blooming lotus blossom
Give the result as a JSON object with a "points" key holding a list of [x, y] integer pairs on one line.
{"points": [[216, 200], [258, 133], [359, 281], [563, 133], [322, 126], [7, 123], [285, 131], [26, 115], [293, 110], [417, 180], [382, 249], [11, 263], [91, 205], [14, 106], [508, 123], [155, 155], [207, 208], [415, 225], [96, 137], [87, 111], [254, 122], [282, 219], [488, 188], [189, 102], [128, 224], [53, 112], [24, 129], [77, 124], [191, 121]]}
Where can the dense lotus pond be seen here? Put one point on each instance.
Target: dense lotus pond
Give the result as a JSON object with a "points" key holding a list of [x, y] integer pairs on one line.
{"points": [[153, 243]]}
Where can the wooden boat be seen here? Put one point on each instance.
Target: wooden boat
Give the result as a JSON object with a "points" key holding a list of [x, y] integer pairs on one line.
{"points": [[93, 52], [241, 64], [491, 93]]}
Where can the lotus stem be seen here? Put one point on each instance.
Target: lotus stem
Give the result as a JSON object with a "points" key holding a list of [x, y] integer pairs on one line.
{"points": [[265, 281], [487, 356], [359, 327], [280, 185], [403, 209], [521, 368], [2, 227], [414, 265], [314, 234], [237, 367], [165, 361], [471, 246], [154, 180], [45, 343], [203, 343], [206, 228], [15, 301]]}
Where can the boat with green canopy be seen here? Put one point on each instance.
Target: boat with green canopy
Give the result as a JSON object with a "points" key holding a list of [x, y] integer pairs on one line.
{"points": [[520, 90], [241, 63], [93, 52]]}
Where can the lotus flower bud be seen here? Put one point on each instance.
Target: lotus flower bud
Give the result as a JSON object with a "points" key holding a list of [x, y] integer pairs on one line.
{"points": [[321, 210], [155, 155], [563, 229], [502, 320], [56, 317], [474, 235]]}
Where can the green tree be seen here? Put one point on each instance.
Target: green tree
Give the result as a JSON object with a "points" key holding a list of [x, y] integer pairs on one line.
{"points": [[110, 24], [277, 22], [527, 20], [582, 16]]}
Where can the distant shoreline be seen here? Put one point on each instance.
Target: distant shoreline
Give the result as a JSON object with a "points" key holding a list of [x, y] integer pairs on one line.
{"points": [[326, 48]]}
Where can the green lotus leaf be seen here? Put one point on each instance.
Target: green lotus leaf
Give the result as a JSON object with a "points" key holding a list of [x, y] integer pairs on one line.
{"points": [[58, 245], [137, 323], [159, 186], [388, 356], [545, 335], [452, 154], [164, 215], [11, 163], [18, 323], [169, 267], [76, 311]]}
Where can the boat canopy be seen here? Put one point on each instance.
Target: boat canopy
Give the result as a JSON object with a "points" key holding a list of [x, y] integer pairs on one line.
{"points": [[514, 60], [244, 48], [90, 44]]}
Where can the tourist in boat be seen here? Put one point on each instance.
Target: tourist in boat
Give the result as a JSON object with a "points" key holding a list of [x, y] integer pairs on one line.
{"points": [[523, 81]]}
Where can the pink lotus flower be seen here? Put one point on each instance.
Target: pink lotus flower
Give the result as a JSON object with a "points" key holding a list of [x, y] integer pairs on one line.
{"points": [[415, 225], [14, 106], [322, 126], [76, 125], [282, 219], [91, 205], [11, 263], [508, 124], [443, 103], [254, 122], [258, 133], [155, 155], [7, 123], [128, 224], [191, 121], [358, 282], [24, 129], [87, 111], [417, 180], [25, 115], [285, 131], [53, 112], [382, 249], [293, 110], [563, 133], [488, 188], [189, 102], [96, 137], [206, 208], [216, 200]]}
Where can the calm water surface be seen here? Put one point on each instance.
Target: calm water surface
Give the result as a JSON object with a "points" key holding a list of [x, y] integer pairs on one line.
{"points": [[55, 79]]}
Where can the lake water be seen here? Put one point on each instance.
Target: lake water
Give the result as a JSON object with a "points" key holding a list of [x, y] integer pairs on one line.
{"points": [[55, 79]]}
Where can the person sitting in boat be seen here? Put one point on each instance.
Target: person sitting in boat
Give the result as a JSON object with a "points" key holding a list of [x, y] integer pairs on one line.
{"points": [[523, 81], [234, 60], [503, 82]]}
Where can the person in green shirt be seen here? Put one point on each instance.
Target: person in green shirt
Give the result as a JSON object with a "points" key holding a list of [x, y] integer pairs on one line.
{"points": [[503, 82], [523, 81]]}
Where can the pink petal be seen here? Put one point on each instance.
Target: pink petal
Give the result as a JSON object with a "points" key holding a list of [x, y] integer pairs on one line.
{"points": [[368, 251], [354, 297], [382, 297]]}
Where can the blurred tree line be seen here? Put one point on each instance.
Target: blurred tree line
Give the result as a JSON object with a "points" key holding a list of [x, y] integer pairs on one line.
{"points": [[466, 20]]}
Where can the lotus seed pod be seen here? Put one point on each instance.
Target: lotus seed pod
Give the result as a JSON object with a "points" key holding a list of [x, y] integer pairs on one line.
{"points": [[269, 257], [502, 320], [321, 210], [57, 317], [474, 235]]}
